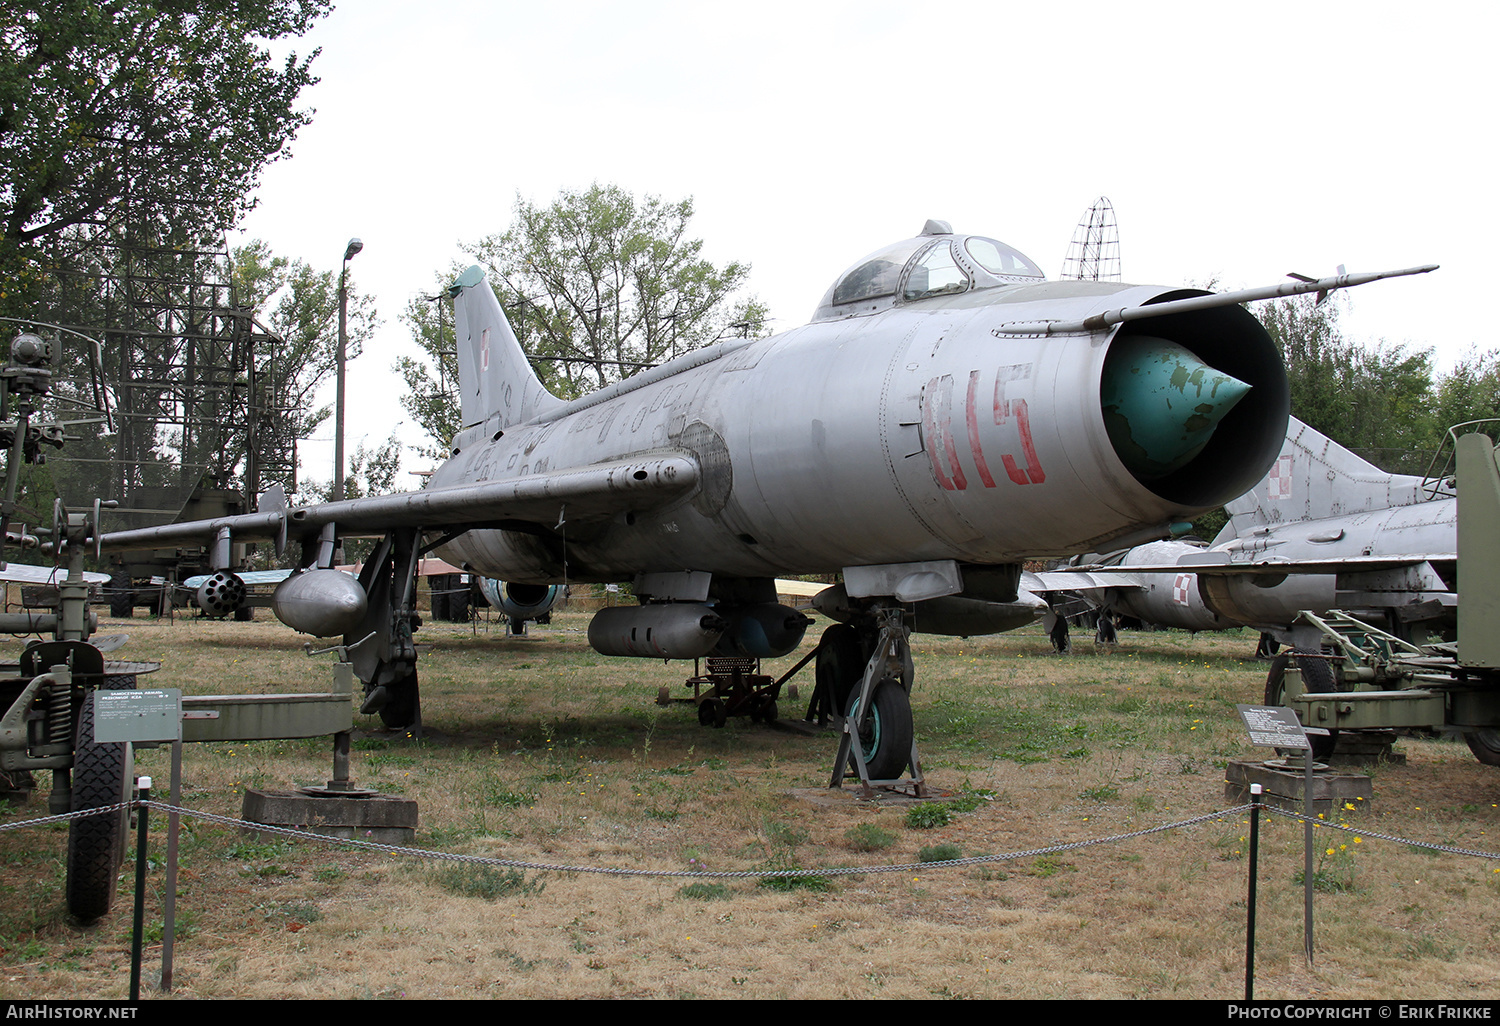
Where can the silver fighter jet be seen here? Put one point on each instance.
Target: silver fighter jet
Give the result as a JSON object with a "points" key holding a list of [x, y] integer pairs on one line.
{"points": [[946, 414], [1323, 529]]}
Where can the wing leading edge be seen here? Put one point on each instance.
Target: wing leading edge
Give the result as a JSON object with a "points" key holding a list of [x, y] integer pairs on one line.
{"points": [[586, 493]]}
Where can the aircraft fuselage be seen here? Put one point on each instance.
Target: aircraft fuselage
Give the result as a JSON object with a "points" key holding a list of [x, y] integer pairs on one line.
{"points": [[923, 432]]}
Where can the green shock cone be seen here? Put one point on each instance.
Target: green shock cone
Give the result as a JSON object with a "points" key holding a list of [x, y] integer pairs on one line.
{"points": [[1161, 404]]}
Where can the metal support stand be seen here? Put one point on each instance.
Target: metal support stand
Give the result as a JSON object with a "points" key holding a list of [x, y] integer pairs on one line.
{"points": [[140, 894]]}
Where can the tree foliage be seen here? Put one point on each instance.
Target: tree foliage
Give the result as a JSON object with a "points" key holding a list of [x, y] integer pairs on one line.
{"points": [[162, 113], [371, 471], [300, 305], [431, 396], [597, 285], [1471, 391], [1376, 400]]}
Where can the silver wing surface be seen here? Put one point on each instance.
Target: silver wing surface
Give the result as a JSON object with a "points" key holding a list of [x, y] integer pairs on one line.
{"points": [[595, 492]]}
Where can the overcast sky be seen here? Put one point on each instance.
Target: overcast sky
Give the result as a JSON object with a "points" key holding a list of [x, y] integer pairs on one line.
{"points": [[1236, 142]]}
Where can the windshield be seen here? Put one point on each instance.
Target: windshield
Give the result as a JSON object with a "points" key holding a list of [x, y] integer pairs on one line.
{"points": [[878, 275], [998, 258]]}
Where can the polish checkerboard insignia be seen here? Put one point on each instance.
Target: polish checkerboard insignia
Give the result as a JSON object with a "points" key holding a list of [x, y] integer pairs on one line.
{"points": [[1279, 484], [1181, 587]]}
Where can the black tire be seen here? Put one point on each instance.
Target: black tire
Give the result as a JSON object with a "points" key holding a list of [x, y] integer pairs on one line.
{"points": [[1317, 678], [96, 844], [458, 601], [1485, 744], [121, 599], [438, 583], [403, 706], [711, 713], [1104, 632], [885, 737], [840, 664], [244, 614], [1061, 641]]}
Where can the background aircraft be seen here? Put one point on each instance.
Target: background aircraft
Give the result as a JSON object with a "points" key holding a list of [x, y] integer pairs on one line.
{"points": [[1324, 529], [947, 414]]}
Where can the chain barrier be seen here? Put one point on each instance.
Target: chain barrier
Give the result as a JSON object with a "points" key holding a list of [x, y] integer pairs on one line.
{"points": [[974, 860], [1448, 848], [66, 816]]}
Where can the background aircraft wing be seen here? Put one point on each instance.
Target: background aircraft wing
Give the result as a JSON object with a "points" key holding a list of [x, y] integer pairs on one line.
{"points": [[25, 573], [595, 492], [1051, 581], [1270, 567]]}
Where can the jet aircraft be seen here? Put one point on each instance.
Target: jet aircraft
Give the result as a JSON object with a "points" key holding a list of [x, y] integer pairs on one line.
{"points": [[946, 414], [1324, 529]]}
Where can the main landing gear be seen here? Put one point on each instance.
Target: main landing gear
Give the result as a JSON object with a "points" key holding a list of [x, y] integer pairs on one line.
{"points": [[874, 696]]}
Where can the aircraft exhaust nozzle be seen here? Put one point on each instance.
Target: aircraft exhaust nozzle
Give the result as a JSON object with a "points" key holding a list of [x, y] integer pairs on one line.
{"points": [[1162, 404], [323, 603], [221, 594], [520, 601]]}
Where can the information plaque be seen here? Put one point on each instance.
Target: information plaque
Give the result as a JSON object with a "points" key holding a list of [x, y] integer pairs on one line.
{"points": [[137, 715]]}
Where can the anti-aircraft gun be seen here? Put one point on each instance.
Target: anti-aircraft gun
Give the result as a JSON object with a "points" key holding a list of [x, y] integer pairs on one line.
{"points": [[1348, 675], [46, 707]]}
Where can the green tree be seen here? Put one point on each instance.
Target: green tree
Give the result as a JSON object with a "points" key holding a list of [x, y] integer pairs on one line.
{"points": [[157, 115], [1471, 391], [1374, 400], [597, 285], [603, 284], [431, 396], [300, 306], [370, 472]]}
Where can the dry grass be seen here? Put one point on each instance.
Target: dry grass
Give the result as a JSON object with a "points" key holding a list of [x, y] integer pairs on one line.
{"points": [[540, 750]]}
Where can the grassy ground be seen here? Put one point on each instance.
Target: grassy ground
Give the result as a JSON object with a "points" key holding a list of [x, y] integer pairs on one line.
{"points": [[540, 750]]}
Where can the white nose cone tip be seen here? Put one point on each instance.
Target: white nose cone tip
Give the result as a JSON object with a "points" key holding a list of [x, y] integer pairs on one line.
{"points": [[323, 603], [1161, 404]]}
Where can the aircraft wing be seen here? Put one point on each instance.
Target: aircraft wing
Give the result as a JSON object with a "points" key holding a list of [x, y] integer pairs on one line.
{"points": [[595, 492], [25, 573], [1270, 567], [1051, 581], [249, 577]]}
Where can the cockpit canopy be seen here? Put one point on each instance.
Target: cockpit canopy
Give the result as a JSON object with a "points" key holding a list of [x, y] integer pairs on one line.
{"points": [[935, 263]]}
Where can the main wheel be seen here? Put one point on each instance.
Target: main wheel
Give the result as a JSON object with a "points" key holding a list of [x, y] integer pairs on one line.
{"points": [[102, 776], [1485, 744], [1104, 632], [1317, 678], [885, 736], [1061, 642], [403, 706]]}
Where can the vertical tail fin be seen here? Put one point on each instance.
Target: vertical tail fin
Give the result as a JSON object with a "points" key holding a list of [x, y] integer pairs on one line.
{"points": [[496, 382], [1315, 477]]}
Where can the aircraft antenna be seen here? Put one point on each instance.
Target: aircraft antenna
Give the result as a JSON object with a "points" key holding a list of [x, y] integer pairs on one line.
{"points": [[1094, 253]]}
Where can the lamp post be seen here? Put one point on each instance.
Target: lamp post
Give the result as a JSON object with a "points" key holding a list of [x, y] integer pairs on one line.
{"points": [[338, 404]]}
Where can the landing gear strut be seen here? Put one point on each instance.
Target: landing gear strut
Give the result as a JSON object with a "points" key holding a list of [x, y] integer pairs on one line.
{"points": [[388, 663], [878, 736]]}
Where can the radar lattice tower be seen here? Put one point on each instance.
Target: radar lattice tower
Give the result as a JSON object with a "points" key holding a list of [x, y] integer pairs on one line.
{"points": [[1094, 253]]}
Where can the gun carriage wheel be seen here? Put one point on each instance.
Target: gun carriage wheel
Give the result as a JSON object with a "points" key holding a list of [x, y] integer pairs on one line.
{"points": [[1317, 677], [103, 775]]}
